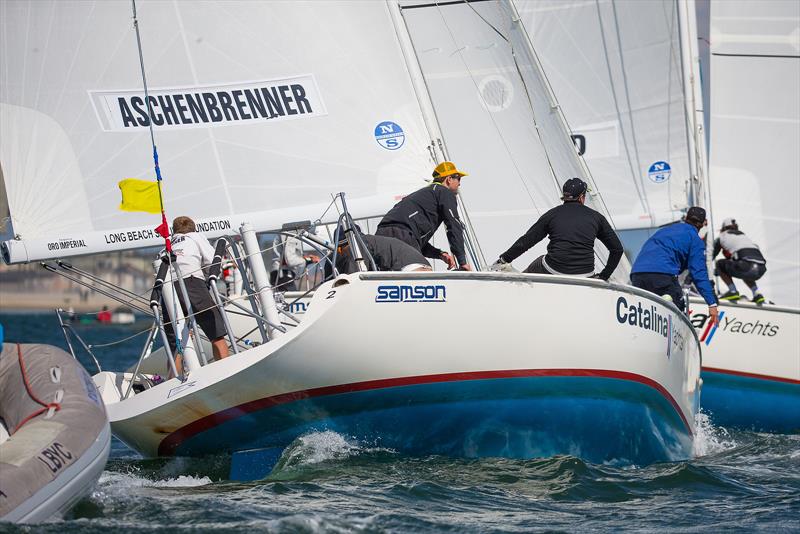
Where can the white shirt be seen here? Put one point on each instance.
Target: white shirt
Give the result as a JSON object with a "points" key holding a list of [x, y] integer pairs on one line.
{"points": [[289, 252], [733, 242], [193, 251]]}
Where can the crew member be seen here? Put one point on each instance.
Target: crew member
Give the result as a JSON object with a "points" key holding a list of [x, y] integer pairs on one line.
{"points": [[193, 252], [288, 263], [572, 228], [670, 251], [416, 218], [743, 259], [389, 253]]}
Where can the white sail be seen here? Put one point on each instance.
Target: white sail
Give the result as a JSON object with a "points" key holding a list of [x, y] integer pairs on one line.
{"points": [[246, 130], [616, 68], [497, 116], [755, 132]]}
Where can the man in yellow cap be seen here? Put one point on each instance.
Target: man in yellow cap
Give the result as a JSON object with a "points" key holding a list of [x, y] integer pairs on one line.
{"points": [[416, 218]]}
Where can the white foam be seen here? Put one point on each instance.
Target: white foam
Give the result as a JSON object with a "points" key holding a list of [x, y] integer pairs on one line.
{"points": [[710, 439], [182, 481], [114, 485], [319, 447]]}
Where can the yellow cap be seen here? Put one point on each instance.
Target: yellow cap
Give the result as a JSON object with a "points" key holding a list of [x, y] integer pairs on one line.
{"points": [[447, 168]]}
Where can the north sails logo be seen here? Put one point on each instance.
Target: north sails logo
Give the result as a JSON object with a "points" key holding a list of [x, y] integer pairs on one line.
{"points": [[404, 293]]}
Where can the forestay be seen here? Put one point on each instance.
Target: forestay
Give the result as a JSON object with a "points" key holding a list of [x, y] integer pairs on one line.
{"points": [[498, 117], [616, 68], [261, 112], [754, 132]]}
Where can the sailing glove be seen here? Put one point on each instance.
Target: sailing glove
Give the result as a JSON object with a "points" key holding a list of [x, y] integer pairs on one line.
{"points": [[502, 266]]}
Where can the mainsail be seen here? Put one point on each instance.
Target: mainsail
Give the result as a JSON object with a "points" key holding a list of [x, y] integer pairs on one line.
{"points": [[754, 132], [617, 70], [498, 117], [261, 112]]}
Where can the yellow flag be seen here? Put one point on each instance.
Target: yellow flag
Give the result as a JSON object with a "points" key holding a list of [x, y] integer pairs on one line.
{"points": [[139, 195]]}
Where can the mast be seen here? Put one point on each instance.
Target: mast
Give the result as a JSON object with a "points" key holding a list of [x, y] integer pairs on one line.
{"points": [[699, 190], [437, 146]]}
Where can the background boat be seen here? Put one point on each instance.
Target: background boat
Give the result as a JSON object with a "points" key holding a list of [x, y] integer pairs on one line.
{"points": [[644, 107]]}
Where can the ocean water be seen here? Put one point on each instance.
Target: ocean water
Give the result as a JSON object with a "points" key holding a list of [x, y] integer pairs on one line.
{"points": [[326, 482]]}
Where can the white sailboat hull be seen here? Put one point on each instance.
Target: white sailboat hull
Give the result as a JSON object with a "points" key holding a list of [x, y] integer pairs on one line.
{"points": [[751, 366], [463, 364]]}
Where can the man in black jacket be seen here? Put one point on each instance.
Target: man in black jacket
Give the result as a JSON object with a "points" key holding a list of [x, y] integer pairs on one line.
{"points": [[572, 228], [415, 219]]}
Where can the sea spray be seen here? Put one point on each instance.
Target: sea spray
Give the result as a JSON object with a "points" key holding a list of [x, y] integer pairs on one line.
{"points": [[710, 439], [318, 447]]}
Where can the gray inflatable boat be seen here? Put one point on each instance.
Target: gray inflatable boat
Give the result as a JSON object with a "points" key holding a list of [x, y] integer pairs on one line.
{"points": [[54, 433]]}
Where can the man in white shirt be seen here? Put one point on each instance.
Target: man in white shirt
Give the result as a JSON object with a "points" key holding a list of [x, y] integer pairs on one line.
{"points": [[743, 259], [193, 252]]}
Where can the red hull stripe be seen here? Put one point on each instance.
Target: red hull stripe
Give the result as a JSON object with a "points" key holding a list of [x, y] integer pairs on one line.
{"points": [[171, 442], [751, 375]]}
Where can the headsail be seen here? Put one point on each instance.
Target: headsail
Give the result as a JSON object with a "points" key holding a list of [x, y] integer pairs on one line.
{"points": [[755, 132], [261, 112], [616, 68], [498, 117]]}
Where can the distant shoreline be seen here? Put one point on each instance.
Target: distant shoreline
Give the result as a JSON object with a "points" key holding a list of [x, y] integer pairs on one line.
{"points": [[29, 302]]}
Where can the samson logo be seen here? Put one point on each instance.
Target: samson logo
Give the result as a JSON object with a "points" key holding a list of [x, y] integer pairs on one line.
{"points": [[191, 107], [400, 293]]}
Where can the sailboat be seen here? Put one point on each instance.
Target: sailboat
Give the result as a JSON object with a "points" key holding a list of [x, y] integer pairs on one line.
{"points": [[751, 366], [633, 98], [457, 363]]}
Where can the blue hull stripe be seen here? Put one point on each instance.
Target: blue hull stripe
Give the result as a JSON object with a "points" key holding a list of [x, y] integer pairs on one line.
{"points": [[599, 419]]}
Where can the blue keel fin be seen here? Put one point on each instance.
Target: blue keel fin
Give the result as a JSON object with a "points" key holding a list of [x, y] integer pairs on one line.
{"points": [[254, 464]]}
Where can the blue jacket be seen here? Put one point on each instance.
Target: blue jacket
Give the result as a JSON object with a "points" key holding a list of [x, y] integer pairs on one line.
{"points": [[672, 250]]}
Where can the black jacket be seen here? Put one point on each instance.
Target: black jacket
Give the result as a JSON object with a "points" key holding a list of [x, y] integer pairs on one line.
{"points": [[422, 212], [572, 228]]}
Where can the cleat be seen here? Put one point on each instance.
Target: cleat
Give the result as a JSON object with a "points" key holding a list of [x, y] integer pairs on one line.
{"points": [[730, 296], [759, 299]]}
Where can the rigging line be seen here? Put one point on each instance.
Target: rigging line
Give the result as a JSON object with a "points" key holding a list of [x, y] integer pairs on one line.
{"points": [[530, 102], [533, 112], [671, 62], [488, 113], [167, 242], [319, 219], [556, 184], [639, 191], [626, 87], [123, 340], [553, 102], [689, 121]]}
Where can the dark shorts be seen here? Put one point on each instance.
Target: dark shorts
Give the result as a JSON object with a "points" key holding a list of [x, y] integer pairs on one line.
{"points": [[660, 284], [746, 270], [207, 315], [537, 267], [399, 232]]}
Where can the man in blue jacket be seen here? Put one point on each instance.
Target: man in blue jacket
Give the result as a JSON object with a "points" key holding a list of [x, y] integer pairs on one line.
{"points": [[670, 251]]}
